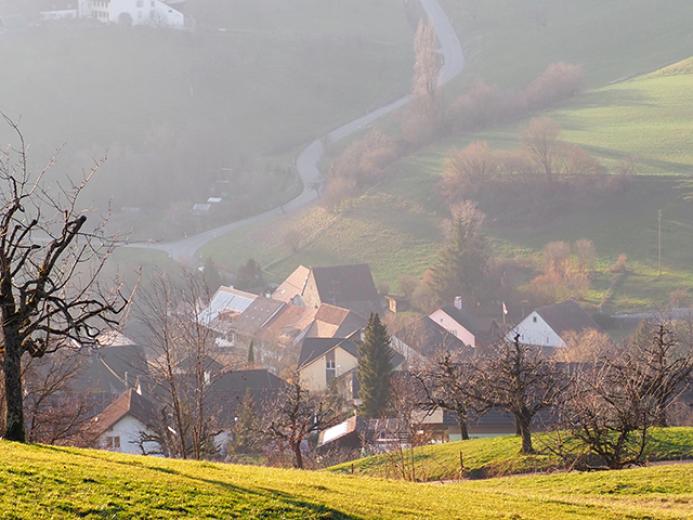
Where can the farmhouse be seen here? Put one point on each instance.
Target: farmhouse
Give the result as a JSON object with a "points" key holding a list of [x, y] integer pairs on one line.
{"points": [[459, 321], [157, 13], [347, 286], [120, 426], [547, 326], [421, 339], [325, 360]]}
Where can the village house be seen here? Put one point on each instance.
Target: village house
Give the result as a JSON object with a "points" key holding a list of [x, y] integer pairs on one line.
{"points": [[462, 323], [119, 364], [548, 326], [119, 427], [347, 286], [155, 13], [327, 361], [421, 340]]}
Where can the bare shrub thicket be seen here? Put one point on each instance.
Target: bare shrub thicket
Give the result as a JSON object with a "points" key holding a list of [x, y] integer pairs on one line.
{"points": [[566, 271], [362, 164]]}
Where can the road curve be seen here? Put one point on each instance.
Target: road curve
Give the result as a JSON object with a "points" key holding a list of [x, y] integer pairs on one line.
{"points": [[185, 250]]}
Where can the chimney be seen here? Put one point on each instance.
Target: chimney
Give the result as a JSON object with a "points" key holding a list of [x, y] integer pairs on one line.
{"points": [[458, 303]]}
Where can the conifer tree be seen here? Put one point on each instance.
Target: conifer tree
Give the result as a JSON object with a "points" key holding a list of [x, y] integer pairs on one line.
{"points": [[463, 261], [375, 368]]}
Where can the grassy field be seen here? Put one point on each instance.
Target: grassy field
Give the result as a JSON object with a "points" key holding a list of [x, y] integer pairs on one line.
{"points": [[500, 456], [510, 43], [648, 118], [42, 482]]}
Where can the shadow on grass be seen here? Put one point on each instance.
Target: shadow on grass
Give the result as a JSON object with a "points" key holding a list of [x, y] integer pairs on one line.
{"points": [[319, 510]]}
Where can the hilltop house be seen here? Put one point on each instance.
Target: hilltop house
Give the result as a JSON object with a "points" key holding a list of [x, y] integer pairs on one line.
{"points": [[347, 286], [547, 326], [120, 425], [156, 13]]}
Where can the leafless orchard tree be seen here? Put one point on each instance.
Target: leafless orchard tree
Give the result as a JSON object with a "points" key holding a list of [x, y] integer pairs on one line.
{"points": [[666, 364], [447, 386], [181, 345], [609, 411], [292, 416], [49, 264], [520, 380]]}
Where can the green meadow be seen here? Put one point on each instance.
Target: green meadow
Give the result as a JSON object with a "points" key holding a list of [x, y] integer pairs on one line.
{"points": [[51, 482]]}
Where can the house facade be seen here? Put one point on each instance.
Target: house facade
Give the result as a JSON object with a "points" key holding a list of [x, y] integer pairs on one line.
{"points": [[157, 13], [547, 326], [121, 424]]}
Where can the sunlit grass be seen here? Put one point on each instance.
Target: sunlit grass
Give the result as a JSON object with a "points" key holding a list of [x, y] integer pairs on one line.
{"points": [[45, 482]]}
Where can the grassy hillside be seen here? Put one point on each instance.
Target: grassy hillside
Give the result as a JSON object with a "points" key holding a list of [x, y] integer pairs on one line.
{"points": [[509, 42], [51, 482], [649, 118], [485, 458], [395, 226]]}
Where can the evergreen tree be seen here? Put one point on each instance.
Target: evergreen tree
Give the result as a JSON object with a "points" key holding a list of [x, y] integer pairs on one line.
{"points": [[463, 261], [375, 368]]}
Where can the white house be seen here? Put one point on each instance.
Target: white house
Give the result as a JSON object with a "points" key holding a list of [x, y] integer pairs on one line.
{"points": [[119, 427], [458, 321], [157, 13], [547, 326]]}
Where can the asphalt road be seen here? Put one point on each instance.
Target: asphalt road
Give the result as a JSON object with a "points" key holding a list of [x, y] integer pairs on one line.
{"points": [[185, 250]]}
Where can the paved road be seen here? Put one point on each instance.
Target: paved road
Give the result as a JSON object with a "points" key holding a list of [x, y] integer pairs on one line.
{"points": [[307, 162]]}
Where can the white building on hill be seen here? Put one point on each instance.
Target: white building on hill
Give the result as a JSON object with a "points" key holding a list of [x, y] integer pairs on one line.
{"points": [[157, 13]]}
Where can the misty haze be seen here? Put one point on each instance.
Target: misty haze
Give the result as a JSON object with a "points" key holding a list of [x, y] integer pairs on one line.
{"points": [[334, 252]]}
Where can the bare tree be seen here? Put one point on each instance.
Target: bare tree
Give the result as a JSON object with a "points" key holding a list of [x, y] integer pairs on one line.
{"points": [[520, 380], [180, 365], [609, 411], [446, 386], [292, 416], [666, 366], [540, 139], [49, 264]]}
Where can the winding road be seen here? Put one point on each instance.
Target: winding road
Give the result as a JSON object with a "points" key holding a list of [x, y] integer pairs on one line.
{"points": [[185, 250]]}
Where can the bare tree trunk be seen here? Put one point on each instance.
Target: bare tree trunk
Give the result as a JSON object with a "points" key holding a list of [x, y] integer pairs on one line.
{"points": [[464, 430], [298, 463], [526, 434], [14, 403]]}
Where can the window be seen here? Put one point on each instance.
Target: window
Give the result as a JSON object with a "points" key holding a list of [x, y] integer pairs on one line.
{"points": [[330, 367], [534, 319], [112, 443]]}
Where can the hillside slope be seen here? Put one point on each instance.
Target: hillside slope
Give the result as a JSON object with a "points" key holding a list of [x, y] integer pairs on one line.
{"points": [[500, 456], [41, 481], [395, 226]]}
